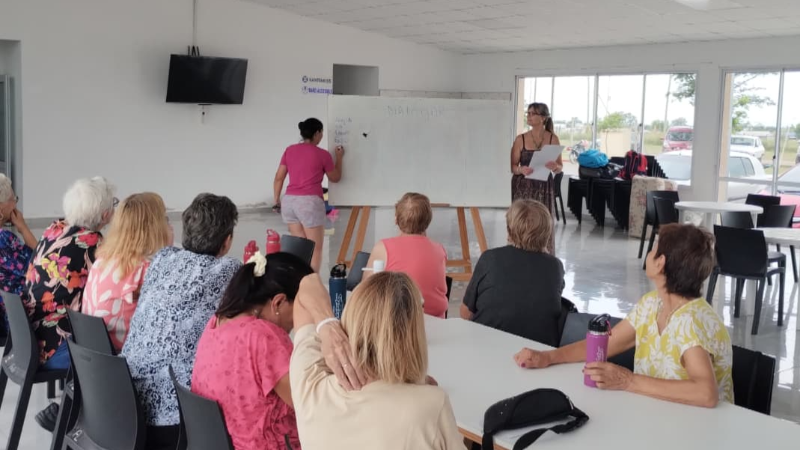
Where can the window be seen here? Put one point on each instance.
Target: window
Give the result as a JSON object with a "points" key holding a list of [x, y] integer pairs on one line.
{"points": [[676, 166], [619, 113], [748, 167], [736, 167]]}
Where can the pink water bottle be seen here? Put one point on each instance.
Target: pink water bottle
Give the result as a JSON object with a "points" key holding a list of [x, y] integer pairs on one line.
{"points": [[273, 242], [597, 343], [249, 250]]}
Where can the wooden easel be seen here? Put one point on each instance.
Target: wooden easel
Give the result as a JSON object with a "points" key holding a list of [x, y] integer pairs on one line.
{"points": [[465, 262]]}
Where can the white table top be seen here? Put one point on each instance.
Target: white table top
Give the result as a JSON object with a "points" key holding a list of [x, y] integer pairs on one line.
{"points": [[718, 207], [785, 236], [474, 365]]}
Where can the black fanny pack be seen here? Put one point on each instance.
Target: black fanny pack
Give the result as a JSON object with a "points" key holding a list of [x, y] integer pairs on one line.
{"points": [[535, 407]]}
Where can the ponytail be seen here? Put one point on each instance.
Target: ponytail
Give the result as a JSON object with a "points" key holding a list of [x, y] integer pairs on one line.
{"points": [[247, 292], [548, 125], [309, 127]]}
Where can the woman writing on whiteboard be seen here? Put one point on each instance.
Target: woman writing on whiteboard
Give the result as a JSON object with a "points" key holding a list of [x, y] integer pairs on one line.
{"points": [[540, 134], [303, 207]]}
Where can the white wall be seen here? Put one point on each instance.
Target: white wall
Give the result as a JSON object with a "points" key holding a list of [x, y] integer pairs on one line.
{"points": [[94, 83], [497, 72]]}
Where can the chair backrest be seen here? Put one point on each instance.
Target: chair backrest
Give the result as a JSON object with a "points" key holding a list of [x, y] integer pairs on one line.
{"points": [[202, 420], [665, 210], [737, 219], [110, 414], [778, 216], [300, 247], [753, 377], [357, 270], [575, 328], [449, 283], [567, 308], [23, 349], [90, 332], [650, 208], [557, 183], [762, 201], [740, 251]]}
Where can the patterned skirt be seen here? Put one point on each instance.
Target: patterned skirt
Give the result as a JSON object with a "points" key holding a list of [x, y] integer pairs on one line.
{"points": [[541, 191]]}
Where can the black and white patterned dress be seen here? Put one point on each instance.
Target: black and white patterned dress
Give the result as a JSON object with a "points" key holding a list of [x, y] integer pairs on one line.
{"points": [[181, 292]]}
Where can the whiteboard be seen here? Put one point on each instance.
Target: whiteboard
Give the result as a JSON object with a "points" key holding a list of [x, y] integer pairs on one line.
{"points": [[452, 150]]}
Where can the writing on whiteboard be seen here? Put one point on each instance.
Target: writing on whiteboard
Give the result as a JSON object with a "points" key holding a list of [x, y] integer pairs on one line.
{"points": [[412, 111], [341, 134]]}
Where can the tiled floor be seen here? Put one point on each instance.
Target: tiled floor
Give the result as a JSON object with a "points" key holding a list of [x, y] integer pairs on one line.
{"points": [[602, 275]]}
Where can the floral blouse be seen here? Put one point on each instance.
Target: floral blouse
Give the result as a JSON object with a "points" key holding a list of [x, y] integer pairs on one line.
{"points": [[181, 292], [14, 259], [55, 281]]}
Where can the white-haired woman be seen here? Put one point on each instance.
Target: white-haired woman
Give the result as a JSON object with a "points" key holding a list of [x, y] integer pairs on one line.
{"points": [[58, 271], [14, 253]]}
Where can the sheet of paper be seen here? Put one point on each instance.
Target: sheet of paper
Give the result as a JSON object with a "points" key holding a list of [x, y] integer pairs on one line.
{"points": [[539, 159]]}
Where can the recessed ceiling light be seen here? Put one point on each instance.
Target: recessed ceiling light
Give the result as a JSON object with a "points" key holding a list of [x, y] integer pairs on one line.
{"points": [[708, 5]]}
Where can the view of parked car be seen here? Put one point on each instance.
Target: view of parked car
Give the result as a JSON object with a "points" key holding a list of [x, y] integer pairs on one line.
{"points": [[790, 195], [751, 145], [677, 166], [678, 138]]}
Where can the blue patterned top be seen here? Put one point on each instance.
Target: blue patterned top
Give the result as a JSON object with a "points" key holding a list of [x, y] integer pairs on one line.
{"points": [[181, 292], [14, 259]]}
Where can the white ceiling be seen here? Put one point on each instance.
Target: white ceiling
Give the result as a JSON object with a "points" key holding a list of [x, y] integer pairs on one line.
{"points": [[486, 26]]}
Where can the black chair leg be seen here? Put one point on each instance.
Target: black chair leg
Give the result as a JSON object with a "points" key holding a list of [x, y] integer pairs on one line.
{"points": [[563, 213], [650, 246], [3, 382], [712, 284], [65, 411], [643, 238], [737, 296], [782, 285], [51, 390], [759, 300], [19, 416], [794, 263]]}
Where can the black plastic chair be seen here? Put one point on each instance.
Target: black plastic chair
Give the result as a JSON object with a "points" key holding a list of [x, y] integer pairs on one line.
{"points": [[781, 216], [737, 219], [558, 199], [21, 364], [89, 332], [357, 270], [650, 214], [742, 255], [763, 201], [300, 247], [202, 420], [753, 377], [111, 416], [575, 328], [665, 214]]}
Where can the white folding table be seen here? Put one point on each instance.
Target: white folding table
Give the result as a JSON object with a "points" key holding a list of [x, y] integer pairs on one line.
{"points": [[710, 210]]}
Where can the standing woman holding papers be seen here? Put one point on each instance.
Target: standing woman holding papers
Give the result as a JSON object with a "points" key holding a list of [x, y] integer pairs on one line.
{"points": [[540, 135], [303, 207]]}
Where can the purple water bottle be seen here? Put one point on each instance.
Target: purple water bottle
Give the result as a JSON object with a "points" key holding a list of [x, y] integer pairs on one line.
{"points": [[597, 343]]}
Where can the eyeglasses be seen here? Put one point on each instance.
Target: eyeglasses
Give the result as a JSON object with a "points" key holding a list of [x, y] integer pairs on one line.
{"points": [[532, 114]]}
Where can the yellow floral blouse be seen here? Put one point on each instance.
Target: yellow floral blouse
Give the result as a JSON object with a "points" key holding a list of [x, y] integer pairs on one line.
{"points": [[694, 324]]}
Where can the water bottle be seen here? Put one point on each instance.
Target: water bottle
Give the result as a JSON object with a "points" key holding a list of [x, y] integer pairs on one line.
{"points": [[597, 343], [273, 242], [337, 286], [249, 250]]}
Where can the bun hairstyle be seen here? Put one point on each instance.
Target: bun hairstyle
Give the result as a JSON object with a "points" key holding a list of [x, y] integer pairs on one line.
{"points": [[542, 110], [309, 127], [248, 291]]}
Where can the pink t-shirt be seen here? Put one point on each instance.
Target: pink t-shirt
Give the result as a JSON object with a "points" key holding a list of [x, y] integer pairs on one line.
{"points": [[425, 262], [307, 164], [238, 365], [113, 297]]}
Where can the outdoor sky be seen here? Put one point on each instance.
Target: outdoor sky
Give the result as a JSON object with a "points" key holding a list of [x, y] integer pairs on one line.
{"points": [[623, 93]]}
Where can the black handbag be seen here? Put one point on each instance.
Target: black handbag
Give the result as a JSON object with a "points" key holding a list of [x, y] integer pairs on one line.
{"points": [[534, 407]]}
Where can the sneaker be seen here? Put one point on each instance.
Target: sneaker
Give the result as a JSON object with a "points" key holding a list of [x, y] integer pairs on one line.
{"points": [[47, 417]]}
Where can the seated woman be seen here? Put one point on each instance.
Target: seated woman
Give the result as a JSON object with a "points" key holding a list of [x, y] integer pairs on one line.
{"points": [[384, 321], [58, 270], [140, 228], [180, 293], [414, 254], [517, 288], [243, 356], [15, 254], [683, 351]]}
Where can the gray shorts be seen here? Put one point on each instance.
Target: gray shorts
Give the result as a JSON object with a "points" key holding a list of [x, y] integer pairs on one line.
{"points": [[307, 210]]}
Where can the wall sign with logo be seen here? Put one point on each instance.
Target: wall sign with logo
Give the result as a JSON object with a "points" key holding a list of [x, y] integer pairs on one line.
{"points": [[317, 85]]}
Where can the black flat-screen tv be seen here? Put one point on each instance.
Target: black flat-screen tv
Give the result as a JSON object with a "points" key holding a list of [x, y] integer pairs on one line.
{"points": [[205, 80]]}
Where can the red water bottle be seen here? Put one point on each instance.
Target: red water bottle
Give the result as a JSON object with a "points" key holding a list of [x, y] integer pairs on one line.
{"points": [[249, 250], [273, 242]]}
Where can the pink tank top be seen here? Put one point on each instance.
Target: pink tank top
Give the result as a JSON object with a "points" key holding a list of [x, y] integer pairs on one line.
{"points": [[425, 262]]}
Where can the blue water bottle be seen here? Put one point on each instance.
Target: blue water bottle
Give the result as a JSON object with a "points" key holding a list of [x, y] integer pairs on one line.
{"points": [[337, 285]]}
